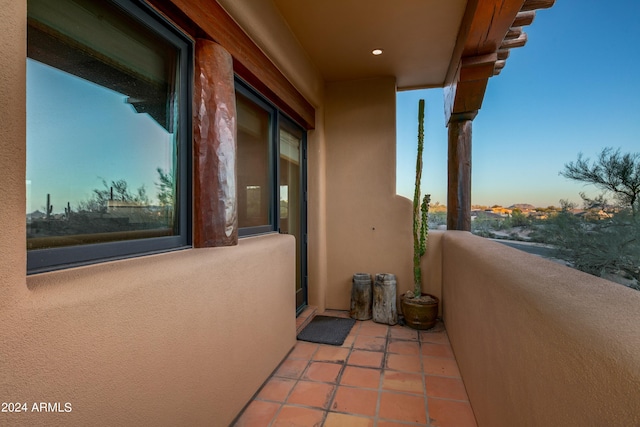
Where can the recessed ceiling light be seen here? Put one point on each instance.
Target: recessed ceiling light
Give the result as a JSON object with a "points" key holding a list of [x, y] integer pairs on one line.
{"points": [[377, 52]]}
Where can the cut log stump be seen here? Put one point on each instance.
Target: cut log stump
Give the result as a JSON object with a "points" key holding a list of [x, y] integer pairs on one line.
{"points": [[384, 299]]}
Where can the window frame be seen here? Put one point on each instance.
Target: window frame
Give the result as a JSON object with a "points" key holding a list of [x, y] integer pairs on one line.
{"points": [[42, 260], [248, 92], [278, 118]]}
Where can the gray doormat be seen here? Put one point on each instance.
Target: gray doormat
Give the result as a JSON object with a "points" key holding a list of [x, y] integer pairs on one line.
{"points": [[327, 330]]}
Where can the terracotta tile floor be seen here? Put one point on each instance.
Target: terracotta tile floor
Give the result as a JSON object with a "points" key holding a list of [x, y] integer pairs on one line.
{"points": [[381, 376]]}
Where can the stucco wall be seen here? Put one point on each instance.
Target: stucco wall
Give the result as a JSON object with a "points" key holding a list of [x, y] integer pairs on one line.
{"points": [[537, 343], [368, 225], [184, 338], [316, 213], [181, 338], [262, 21]]}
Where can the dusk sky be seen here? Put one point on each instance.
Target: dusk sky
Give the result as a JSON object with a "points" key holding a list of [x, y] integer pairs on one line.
{"points": [[115, 142], [572, 88]]}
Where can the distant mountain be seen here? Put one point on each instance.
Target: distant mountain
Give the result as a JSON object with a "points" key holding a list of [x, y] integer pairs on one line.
{"points": [[522, 206]]}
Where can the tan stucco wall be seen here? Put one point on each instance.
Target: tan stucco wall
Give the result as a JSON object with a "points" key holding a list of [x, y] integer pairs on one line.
{"points": [[181, 338], [264, 24], [316, 213], [368, 225], [537, 343]]}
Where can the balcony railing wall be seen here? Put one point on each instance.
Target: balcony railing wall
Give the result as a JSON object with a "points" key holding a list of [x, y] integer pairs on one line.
{"points": [[538, 343]]}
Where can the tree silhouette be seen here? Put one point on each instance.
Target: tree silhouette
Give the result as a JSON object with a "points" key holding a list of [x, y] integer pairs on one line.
{"points": [[118, 191], [166, 188], [611, 172]]}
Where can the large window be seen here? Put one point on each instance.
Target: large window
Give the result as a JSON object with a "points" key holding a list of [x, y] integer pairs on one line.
{"points": [[256, 188], [108, 132]]}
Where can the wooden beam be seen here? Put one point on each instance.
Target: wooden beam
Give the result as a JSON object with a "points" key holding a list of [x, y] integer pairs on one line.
{"points": [[503, 54], [459, 174], [511, 44], [477, 67], [500, 65], [524, 18], [513, 33], [483, 28], [490, 24], [537, 4], [463, 34], [208, 20], [473, 92]]}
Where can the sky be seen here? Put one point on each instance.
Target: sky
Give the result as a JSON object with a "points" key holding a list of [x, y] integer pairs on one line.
{"points": [[574, 87], [116, 142]]}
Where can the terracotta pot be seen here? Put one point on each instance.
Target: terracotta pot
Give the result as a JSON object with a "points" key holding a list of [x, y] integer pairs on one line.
{"points": [[419, 315]]}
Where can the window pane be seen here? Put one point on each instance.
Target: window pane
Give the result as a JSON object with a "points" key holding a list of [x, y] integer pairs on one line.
{"points": [[254, 185], [102, 103]]}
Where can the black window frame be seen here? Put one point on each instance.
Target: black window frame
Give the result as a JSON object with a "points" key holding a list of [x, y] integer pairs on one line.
{"points": [[250, 93], [277, 117], [42, 260]]}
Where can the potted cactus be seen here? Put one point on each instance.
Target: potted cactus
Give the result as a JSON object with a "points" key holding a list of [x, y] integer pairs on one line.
{"points": [[420, 310]]}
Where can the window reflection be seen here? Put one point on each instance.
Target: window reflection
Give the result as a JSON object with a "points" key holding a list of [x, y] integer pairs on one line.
{"points": [[254, 197], [101, 126]]}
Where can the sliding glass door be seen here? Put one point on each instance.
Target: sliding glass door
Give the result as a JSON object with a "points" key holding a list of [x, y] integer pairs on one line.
{"points": [[292, 207]]}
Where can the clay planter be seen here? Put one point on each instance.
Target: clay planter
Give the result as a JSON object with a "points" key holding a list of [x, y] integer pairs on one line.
{"points": [[420, 315]]}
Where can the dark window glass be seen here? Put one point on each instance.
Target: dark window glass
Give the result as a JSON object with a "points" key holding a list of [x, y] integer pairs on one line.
{"points": [[107, 132], [255, 188]]}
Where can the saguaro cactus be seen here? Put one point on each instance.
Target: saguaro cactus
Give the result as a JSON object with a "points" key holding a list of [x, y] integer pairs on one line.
{"points": [[420, 211], [49, 206]]}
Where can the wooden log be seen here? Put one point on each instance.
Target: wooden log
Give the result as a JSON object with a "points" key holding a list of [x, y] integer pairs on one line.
{"points": [[215, 214], [361, 297], [524, 18], [503, 54], [511, 44], [385, 306], [459, 174], [513, 33], [537, 4]]}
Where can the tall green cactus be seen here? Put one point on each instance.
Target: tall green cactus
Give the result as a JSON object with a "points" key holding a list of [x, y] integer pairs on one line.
{"points": [[420, 211]]}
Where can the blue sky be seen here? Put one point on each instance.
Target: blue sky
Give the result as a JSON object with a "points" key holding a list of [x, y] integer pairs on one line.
{"points": [[572, 88], [115, 142]]}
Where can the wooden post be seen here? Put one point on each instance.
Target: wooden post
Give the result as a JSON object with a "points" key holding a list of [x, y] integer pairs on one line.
{"points": [[215, 146], [459, 172]]}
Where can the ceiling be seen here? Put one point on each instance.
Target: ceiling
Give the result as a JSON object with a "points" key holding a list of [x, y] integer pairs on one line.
{"points": [[339, 36]]}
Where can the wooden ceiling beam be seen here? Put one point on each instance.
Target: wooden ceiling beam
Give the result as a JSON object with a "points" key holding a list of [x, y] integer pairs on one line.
{"points": [[513, 33], [537, 4], [477, 67], [514, 43], [482, 32], [491, 22], [463, 33], [524, 18], [473, 92], [503, 54]]}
